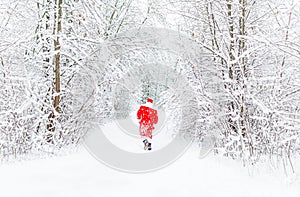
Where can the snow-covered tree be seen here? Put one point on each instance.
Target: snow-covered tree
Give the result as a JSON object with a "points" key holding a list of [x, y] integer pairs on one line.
{"points": [[244, 81]]}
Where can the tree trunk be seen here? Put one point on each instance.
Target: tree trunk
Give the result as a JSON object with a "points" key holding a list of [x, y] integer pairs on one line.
{"points": [[57, 31], [231, 86], [48, 43], [243, 69]]}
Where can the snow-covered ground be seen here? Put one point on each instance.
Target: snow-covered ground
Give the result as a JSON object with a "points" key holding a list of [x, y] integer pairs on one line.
{"points": [[81, 175]]}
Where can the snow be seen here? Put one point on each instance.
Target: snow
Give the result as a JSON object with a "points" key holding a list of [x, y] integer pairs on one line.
{"points": [[80, 174], [171, 49], [135, 145]]}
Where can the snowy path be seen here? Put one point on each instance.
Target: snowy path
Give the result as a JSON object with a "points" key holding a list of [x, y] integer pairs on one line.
{"points": [[80, 175]]}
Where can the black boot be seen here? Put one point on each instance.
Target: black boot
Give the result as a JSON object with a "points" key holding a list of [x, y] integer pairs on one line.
{"points": [[145, 144], [149, 146], [145, 141]]}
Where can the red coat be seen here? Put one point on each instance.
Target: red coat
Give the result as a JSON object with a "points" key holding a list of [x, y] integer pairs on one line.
{"points": [[147, 117]]}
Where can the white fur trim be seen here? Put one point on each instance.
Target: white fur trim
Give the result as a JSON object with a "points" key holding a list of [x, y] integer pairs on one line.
{"points": [[148, 104]]}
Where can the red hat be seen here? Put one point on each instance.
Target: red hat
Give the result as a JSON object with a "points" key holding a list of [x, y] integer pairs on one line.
{"points": [[150, 100]]}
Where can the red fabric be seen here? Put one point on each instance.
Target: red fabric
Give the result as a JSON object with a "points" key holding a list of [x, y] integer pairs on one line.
{"points": [[147, 117], [150, 100]]}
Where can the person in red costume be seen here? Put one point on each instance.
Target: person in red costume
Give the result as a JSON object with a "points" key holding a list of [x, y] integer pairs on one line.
{"points": [[147, 117]]}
